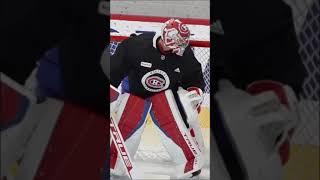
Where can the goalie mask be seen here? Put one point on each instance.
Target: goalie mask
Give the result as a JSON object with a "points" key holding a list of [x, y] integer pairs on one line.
{"points": [[175, 36]]}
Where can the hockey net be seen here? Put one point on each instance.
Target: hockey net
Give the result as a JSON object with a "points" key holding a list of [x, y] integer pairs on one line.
{"points": [[304, 161], [306, 16]]}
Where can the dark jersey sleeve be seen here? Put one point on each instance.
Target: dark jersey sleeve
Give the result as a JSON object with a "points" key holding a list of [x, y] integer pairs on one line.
{"points": [[193, 76], [119, 66]]}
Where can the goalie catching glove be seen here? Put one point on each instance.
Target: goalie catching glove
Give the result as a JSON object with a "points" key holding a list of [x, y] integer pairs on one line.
{"points": [[288, 99], [194, 96], [253, 127]]}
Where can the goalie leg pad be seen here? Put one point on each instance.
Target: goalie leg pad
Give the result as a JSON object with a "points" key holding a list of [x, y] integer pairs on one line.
{"points": [[175, 136], [131, 118], [192, 115]]}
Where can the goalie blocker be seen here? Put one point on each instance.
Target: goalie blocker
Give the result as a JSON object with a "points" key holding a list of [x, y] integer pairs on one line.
{"points": [[176, 118]]}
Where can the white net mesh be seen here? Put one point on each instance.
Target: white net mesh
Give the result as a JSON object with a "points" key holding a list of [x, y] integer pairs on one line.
{"points": [[203, 56], [307, 20], [304, 158]]}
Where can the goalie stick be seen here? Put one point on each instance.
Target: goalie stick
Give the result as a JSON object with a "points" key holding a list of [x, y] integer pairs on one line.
{"points": [[126, 157], [118, 139], [121, 147]]}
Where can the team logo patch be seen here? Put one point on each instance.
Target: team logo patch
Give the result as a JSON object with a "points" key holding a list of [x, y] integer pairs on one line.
{"points": [[155, 81]]}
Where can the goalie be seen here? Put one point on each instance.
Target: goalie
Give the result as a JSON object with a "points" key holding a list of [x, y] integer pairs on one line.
{"points": [[166, 80]]}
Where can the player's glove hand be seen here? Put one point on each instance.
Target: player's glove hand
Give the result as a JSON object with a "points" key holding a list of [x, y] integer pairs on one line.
{"points": [[196, 97], [287, 98], [259, 121]]}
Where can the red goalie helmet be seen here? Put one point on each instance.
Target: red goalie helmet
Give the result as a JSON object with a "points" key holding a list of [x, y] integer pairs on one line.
{"points": [[175, 35]]}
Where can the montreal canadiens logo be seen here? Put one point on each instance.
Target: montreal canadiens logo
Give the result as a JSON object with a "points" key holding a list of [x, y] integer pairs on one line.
{"points": [[155, 81]]}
